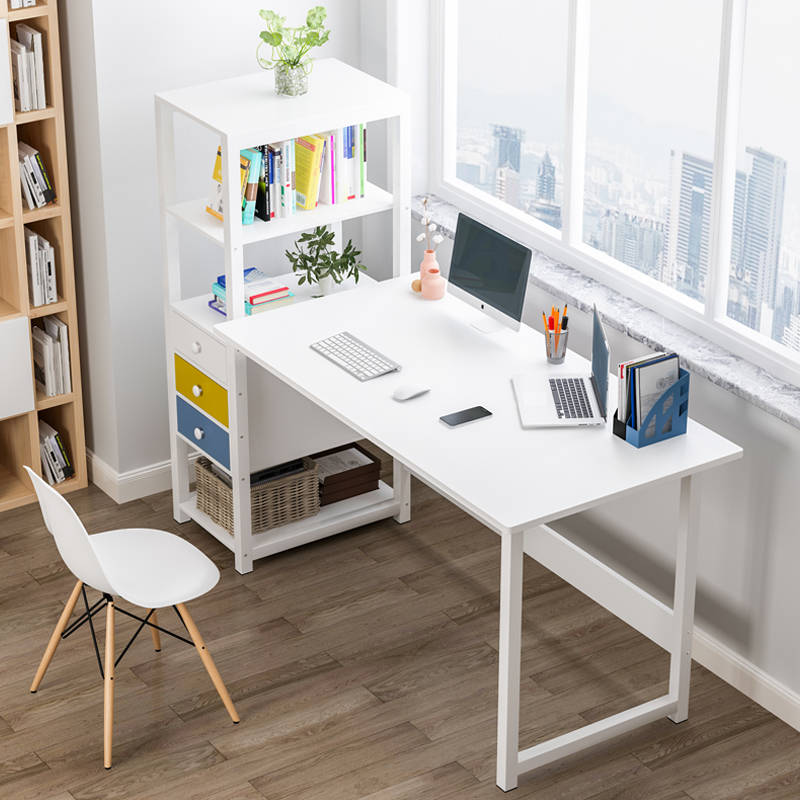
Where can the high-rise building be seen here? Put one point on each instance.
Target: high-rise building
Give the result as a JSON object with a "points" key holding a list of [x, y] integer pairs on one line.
{"points": [[688, 223], [546, 182], [508, 147], [633, 240], [506, 186], [766, 185]]}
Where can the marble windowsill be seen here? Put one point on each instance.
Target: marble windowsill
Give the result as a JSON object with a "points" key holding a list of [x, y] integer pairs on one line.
{"points": [[698, 355]]}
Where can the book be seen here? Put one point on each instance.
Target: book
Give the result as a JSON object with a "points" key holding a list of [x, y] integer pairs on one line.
{"points": [[350, 162], [57, 458], [218, 304], [58, 330], [215, 204], [262, 210], [624, 386], [258, 297], [21, 79], [649, 381], [359, 159], [26, 189], [251, 189], [287, 182], [327, 186], [39, 172], [35, 277], [31, 38], [308, 155], [43, 361], [339, 165], [30, 177], [363, 160]]}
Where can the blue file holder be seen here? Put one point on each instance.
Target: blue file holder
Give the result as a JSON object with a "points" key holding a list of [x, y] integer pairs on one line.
{"points": [[678, 413]]}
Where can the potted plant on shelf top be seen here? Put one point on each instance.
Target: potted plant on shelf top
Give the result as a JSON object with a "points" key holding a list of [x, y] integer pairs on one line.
{"points": [[290, 47], [320, 263]]}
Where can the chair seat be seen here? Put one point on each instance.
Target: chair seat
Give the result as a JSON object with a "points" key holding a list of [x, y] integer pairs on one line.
{"points": [[152, 568]]}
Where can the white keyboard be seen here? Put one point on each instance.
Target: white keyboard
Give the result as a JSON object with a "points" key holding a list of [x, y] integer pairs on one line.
{"points": [[352, 355]]}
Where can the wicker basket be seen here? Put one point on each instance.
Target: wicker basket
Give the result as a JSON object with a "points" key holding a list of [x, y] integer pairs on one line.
{"points": [[275, 503]]}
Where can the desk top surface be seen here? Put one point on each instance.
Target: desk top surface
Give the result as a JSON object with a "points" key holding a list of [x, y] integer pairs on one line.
{"points": [[508, 477]]}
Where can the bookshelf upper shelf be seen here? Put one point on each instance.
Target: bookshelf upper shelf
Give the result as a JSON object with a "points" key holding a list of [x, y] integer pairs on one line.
{"points": [[194, 214], [247, 109]]}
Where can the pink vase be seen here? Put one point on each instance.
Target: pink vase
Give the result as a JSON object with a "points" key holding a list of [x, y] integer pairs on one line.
{"points": [[433, 285], [428, 262]]}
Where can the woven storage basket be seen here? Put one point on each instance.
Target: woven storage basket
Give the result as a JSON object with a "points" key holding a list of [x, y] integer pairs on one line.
{"points": [[275, 503]]}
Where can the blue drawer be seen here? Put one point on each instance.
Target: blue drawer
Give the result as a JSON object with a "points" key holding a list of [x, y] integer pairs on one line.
{"points": [[213, 440]]}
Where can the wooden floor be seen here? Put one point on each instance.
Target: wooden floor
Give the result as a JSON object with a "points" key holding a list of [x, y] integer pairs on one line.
{"points": [[362, 666]]}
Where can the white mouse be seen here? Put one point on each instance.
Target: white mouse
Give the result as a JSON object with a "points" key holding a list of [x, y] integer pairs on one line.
{"points": [[409, 390]]}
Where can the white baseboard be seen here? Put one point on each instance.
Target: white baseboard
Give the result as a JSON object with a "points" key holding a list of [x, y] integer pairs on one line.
{"points": [[714, 656], [122, 487], [751, 681]]}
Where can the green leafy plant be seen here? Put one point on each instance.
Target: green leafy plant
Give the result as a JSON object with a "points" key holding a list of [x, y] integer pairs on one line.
{"points": [[290, 46], [319, 259]]}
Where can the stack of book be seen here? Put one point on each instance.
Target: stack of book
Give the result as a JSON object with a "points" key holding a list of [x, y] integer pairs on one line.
{"points": [[281, 178], [346, 472], [51, 357], [40, 257], [27, 68], [261, 293], [56, 466], [642, 382], [37, 188], [12, 4]]}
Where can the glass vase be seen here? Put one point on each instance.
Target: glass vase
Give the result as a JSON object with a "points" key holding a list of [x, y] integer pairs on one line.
{"points": [[290, 81]]}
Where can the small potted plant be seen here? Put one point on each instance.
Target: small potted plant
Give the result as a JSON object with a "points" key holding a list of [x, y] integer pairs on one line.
{"points": [[320, 263], [290, 47]]}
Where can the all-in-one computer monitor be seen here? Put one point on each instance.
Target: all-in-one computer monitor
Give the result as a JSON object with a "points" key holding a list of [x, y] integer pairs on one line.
{"points": [[489, 271]]}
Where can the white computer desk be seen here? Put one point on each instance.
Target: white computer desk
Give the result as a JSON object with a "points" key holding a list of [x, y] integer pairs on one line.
{"points": [[514, 481]]}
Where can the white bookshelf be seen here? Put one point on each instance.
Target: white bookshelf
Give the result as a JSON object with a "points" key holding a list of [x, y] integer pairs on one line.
{"points": [[245, 112]]}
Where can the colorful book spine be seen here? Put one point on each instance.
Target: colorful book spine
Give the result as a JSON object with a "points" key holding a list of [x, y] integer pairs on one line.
{"points": [[251, 191]]}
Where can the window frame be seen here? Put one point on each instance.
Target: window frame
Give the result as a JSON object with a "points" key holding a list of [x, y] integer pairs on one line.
{"points": [[566, 246]]}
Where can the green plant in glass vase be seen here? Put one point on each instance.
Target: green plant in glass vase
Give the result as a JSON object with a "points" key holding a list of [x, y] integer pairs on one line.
{"points": [[315, 260], [290, 47]]}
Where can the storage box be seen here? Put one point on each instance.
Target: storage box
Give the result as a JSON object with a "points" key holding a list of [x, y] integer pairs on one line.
{"points": [[272, 504], [677, 414], [363, 476]]}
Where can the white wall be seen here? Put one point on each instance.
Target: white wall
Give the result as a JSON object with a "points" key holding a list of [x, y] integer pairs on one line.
{"points": [[116, 57]]}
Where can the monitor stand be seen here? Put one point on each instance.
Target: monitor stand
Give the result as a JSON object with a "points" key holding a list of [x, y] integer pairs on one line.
{"points": [[487, 325]]}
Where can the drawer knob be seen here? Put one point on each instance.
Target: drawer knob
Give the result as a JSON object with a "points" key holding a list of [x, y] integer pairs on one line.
{"points": [[196, 347], [199, 433], [197, 391]]}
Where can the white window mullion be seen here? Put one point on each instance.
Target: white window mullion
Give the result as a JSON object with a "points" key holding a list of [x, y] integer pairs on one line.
{"points": [[575, 122], [731, 62], [444, 92]]}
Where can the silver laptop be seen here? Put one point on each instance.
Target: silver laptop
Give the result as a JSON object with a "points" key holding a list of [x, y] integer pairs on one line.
{"points": [[552, 399]]}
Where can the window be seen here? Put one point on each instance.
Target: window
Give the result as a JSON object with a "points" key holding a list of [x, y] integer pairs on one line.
{"points": [[651, 145]]}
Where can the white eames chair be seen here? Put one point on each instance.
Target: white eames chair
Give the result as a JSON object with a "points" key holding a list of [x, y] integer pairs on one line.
{"points": [[149, 568]]}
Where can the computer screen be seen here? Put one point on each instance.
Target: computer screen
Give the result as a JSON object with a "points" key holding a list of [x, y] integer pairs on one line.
{"points": [[490, 271]]}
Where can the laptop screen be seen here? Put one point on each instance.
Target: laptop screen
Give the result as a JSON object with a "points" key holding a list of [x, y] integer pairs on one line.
{"points": [[600, 362]]}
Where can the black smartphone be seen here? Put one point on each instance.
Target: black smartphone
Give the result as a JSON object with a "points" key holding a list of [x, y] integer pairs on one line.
{"points": [[465, 416]]}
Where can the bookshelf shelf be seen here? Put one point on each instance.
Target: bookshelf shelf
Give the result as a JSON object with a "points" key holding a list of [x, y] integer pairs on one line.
{"points": [[44, 130], [194, 214], [246, 112]]}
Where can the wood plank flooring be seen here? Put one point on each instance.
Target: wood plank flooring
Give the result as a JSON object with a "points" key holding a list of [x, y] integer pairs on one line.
{"points": [[362, 666]]}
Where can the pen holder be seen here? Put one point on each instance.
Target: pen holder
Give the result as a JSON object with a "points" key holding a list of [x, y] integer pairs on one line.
{"points": [[667, 418], [556, 355]]}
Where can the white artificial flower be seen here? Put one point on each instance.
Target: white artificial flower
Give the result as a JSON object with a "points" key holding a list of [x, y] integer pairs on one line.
{"points": [[438, 238], [425, 221], [432, 226], [421, 237]]}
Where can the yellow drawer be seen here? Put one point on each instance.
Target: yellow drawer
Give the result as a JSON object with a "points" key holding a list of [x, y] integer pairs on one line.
{"points": [[199, 389]]}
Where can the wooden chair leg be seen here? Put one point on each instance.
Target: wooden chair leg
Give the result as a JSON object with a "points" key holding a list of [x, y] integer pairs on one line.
{"points": [[155, 632], [208, 662], [56, 637], [108, 694]]}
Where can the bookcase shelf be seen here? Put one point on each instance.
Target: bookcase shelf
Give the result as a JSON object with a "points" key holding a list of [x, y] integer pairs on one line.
{"points": [[246, 112], [194, 214], [44, 130]]}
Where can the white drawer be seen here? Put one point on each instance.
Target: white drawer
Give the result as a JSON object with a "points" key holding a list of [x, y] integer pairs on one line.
{"points": [[199, 347], [16, 396]]}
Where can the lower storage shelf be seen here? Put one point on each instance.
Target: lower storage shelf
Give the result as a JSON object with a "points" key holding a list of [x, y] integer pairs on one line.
{"points": [[332, 519]]}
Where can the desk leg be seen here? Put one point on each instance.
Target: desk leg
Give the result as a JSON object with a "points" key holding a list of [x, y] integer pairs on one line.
{"points": [[512, 555], [238, 428], [685, 583], [402, 491]]}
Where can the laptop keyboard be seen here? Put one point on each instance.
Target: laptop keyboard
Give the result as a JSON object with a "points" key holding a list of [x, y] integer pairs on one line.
{"points": [[571, 399]]}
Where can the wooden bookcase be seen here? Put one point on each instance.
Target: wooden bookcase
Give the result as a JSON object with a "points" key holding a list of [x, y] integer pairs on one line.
{"points": [[44, 130]]}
